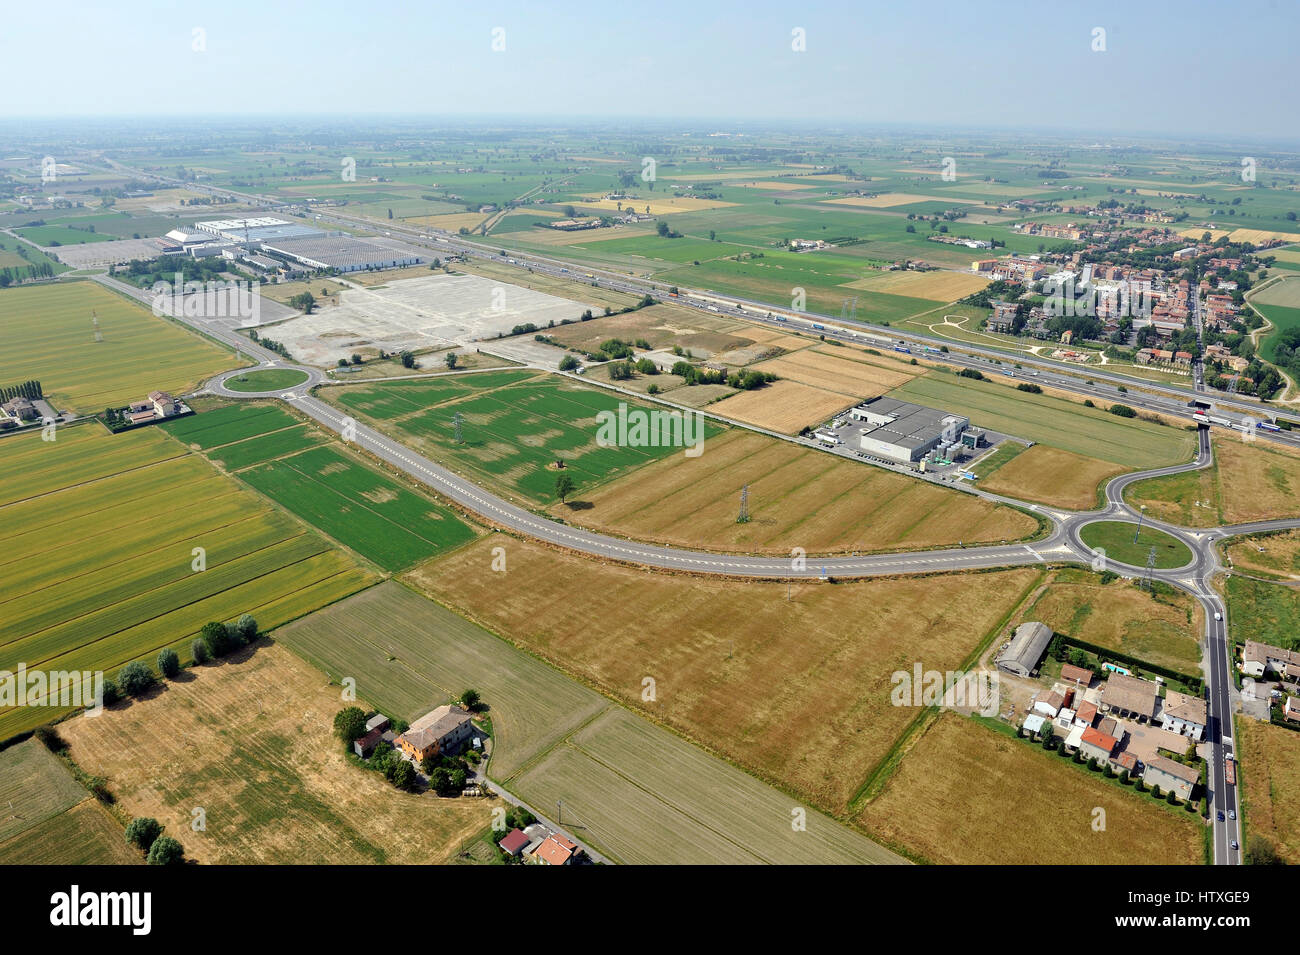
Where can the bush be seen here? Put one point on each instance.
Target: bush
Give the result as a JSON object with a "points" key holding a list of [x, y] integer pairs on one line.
{"points": [[111, 693], [98, 787], [165, 851], [135, 678], [169, 664], [50, 738], [142, 832], [1124, 411], [350, 723], [971, 373], [568, 363], [199, 650]]}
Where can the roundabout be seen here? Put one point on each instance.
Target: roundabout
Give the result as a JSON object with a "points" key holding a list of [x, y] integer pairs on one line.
{"points": [[260, 381], [1124, 543]]}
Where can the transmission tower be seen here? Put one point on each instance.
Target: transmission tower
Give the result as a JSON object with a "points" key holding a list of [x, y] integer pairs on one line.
{"points": [[1151, 566], [456, 420], [849, 309], [94, 321], [744, 506]]}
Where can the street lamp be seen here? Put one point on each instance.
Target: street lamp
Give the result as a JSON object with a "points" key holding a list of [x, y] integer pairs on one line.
{"points": [[1141, 514]]}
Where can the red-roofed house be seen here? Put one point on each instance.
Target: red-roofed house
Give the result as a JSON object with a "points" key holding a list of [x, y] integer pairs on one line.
{"points": [[555, 850], [1086, 713], [1073, 674], [514, 842], [1096, 744]]}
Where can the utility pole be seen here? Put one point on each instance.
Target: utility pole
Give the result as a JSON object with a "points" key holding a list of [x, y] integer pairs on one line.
{"points": [[1141, 514]]}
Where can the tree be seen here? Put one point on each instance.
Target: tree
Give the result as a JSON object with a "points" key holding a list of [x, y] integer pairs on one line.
{"points": [[568, 363], [303, 302], [199, 651], [662, 229], [408, 359], [403, 776], [142, 831], [165, 851], [247, 628], [169, 664], [215, 638], [564, 486], [135, 678], [440, 781], [350, 723], [450, 359], [471, 699]]}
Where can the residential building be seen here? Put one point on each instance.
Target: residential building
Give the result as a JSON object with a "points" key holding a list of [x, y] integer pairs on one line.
{"points": [[1258, 658], [1094, 744], [556, 850], [443, 731], [1292, 709], [1128, 696], [1167, 774], [514, 842], [1183, 714], [1078, 675]]}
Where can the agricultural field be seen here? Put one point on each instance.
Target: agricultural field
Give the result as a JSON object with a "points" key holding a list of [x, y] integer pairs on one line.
{"points": [[90, 585], [1270, 767], [409, 654], [784, 406], [1272, 556], [53, 235], [798, 497], [1162, 629], [1249, 481], [516, 424], [1090, 432], [850, 374], [50, 818], [952, 795], [1047, 475], [272, 778], [1262, 610], [359, 506], [46, 334], [835, 646]]}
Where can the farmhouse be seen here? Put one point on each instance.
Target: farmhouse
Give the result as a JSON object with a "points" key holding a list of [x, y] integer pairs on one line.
{"points": [[19, 409], [1168, 775], [1128, 696], [1073, 674], [1183, 714], [1026, 649], [556, 850], [442, 731]]}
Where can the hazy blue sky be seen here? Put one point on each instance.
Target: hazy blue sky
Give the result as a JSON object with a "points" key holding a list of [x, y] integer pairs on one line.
{"points": [[1209, 69]]}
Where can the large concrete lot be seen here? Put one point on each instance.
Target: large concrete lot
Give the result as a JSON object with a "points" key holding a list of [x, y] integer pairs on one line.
{"points": [[432, 312]]}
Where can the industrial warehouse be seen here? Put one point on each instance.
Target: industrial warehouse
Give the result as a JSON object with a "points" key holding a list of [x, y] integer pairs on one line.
{"points": [[906, 433], [311, 248]]}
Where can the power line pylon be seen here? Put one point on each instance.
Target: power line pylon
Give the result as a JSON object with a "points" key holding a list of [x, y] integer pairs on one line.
{"points": [[744, 506]]}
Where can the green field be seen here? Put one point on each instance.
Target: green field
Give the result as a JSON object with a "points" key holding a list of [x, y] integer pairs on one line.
{"points": [[46, 334], [1056, 422], [1116, 538], [267, 379], [50, 818], [515, 425], [229, 423], [1263, 611], [99, 533], [48, 235], [357, 505], [626, 784]]}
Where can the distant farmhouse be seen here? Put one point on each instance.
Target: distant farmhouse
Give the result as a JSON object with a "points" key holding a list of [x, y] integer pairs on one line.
{"points": [[442, 732]]}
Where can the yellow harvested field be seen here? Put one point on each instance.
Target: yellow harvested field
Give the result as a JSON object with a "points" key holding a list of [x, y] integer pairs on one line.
{"points": [[251, 741], [798, 497], [658, 205], [774, 185], [1051, 476], [450, 221], [1267, 555], [814, 668], [854, 378], [1285, 255], [937, 286], [1250, 481], [784, 406], [1262, 235], [953, 797], [1122, 617], [163, 200], [1270, 762], [1285, 291]]}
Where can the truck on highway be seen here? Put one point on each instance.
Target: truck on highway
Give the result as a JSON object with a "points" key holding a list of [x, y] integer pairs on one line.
{"points": [[1230, 771], [1269, 426], [820, 328]]}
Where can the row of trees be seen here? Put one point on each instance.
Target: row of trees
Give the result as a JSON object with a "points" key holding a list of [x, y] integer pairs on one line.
{"points": [[145, 833], [30, 389], [217, 639], [10, 275]]}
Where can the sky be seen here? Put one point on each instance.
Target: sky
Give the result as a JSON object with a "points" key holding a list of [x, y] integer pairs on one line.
{"points": [[1218, 70]]}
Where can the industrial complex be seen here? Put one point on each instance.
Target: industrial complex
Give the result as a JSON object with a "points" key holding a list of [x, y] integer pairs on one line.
{"points": [[272, 244]]}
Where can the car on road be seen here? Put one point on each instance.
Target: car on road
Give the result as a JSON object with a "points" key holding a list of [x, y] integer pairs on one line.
{"points": [[1232, 814], [1217, 615], [1220, 815], [1234, 845]]}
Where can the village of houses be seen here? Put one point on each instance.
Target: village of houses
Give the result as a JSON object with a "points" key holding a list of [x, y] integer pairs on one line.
{"points": [[449, 731], [1138, 728]]}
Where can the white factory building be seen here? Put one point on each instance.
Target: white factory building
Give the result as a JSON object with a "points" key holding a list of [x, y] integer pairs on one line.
{"points": [[903, 432]]}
